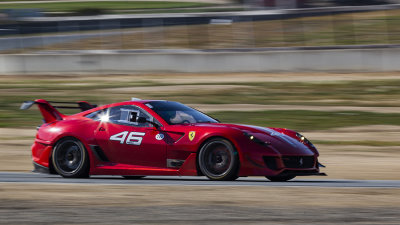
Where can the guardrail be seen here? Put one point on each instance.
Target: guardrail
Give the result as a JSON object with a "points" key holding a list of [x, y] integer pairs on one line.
{"points": [[278, 60]]}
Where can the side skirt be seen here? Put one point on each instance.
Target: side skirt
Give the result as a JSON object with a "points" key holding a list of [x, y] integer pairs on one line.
{"points": [[40, 169]]}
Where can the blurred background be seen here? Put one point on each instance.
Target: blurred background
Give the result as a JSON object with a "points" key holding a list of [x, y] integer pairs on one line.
{"points": [[326, 68], [39, 27], [312, 66]]}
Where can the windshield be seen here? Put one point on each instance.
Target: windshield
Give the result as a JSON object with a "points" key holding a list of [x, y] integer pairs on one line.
{"points": [[177, 113]]}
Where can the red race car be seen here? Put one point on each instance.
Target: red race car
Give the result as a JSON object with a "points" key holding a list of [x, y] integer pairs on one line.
{"points": [[149, 137]]}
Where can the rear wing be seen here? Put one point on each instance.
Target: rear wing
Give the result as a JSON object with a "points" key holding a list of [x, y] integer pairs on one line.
{"points": [[50, 112]]}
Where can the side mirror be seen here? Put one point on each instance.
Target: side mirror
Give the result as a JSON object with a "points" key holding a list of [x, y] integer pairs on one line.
{"points": [[141, 120]]}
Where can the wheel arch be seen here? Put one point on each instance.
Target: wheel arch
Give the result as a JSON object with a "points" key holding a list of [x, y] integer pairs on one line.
{"points": [[203, 142], [58, 140]]}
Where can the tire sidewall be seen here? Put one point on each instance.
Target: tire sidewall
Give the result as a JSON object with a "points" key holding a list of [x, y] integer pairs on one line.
{"points": [[83, 168], [231, 172]]}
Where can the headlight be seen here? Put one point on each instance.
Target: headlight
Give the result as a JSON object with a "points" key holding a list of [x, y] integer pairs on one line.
{"points": [[304, 140], [256, 140]]}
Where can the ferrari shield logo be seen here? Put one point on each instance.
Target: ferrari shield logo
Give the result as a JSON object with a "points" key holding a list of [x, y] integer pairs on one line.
{"points": [[191, 135]]}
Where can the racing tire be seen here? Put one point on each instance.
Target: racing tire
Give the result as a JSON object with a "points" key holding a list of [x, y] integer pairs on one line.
{"points": [[70, 158], [280, 178], [133, 177], [218, 160]]}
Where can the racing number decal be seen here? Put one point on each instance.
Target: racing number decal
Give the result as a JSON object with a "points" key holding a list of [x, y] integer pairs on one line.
{"points": [[119, 137], [134, 138]]}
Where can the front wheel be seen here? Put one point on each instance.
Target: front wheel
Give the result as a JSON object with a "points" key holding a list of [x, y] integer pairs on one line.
{"points": [[280, 178], [218, 160], [70, 158]]}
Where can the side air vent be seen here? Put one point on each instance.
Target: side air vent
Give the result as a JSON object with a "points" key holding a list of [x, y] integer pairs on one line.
{"points": [[98, 152], [175, 163]]}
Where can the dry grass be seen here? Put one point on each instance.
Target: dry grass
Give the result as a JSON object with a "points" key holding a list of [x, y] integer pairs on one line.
{"points": [[361, 149], [292, 91]]}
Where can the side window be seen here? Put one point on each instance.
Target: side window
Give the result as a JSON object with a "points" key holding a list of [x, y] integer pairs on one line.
{"points": [[128, 115], [97, 115]]}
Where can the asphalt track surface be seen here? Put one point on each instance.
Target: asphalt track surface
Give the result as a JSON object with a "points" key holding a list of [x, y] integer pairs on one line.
{"points": [[11, 177]]}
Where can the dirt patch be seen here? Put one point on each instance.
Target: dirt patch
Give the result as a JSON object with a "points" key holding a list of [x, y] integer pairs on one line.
{"points": [[360, 162], [6, 133], [358, 133], [15, 152]]}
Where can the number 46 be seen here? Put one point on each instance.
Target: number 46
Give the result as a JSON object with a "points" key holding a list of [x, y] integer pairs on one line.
{"points": [[134, 138]]}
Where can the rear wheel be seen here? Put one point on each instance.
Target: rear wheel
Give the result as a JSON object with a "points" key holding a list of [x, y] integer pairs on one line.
{"points": [[70, 158], [218, 160], [280, 178]]}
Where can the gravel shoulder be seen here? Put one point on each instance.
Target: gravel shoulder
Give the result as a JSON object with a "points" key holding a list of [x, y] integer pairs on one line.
{"points": [[116, 204]]}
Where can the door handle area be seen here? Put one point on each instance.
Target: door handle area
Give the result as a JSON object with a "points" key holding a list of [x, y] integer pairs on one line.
{"points": [[102, 129]]}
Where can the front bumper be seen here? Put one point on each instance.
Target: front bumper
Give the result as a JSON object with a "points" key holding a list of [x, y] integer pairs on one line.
{"points": [[278, 165], [301, 173]]}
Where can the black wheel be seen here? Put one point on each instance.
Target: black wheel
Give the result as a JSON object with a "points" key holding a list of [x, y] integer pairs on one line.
{"points": [[133, 177], [218, 160], [70, 158], [281, 178]]}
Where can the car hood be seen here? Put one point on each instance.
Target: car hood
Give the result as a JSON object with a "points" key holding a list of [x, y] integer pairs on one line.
{"points": [[280, 142]]}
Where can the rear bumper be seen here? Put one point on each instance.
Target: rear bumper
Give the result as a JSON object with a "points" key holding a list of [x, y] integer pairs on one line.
{"points": [[41, 153]]}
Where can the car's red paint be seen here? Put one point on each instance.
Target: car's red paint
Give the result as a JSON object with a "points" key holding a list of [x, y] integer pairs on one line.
{"points": [[150, 157]]}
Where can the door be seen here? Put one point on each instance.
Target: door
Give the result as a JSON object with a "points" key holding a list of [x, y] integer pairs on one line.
{"points": [[125, 141]]}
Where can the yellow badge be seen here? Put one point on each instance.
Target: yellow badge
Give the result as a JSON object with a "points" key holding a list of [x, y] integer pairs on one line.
{"points": [[191, 135]]}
